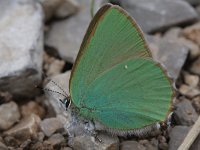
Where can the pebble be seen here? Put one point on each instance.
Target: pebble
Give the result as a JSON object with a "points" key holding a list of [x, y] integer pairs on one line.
{"points": [[177, 135], [189, 91], [59, 8], [171, 54], [21, 46], [50, 126], [184, 113], [168, 12], [191, 80], [40, 136], [86, 142], [3, 146], [56, 140], [173, 33], [32, 108], [5, 97], [52, 65], [194, 50], [25, 129], [66, 148], [128, 145], [195, 67], [196, 103], [150, 145], [193, 33], [9, 115], [12, 142], [66, 35]]}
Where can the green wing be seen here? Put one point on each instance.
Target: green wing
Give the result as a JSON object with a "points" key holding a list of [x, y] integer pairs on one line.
{"points": [[108, 75]]}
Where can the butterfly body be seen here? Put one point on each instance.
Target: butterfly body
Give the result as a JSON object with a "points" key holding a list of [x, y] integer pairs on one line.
{"points": [[114, 81]]}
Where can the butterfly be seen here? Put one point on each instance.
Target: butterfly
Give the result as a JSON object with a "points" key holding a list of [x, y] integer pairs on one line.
{"points": [[114, 80]]}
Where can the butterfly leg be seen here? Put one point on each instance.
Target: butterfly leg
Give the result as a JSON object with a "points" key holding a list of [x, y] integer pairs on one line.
{"points": [[90, 129]]}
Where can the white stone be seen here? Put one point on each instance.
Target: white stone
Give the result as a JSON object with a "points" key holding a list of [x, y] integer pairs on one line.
{"points": [[21, 46]]}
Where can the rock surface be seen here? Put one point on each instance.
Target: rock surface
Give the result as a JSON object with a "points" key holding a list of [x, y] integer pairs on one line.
{"points": [[168, 52], [50, 126], [168, 12], [177, 136], [9, 114], [59, 8], [195, 67], [193, 33], [21, 45], [90, 143], [55, 140], [184, 113], [32, 108], [66, 36], [26, 129]]}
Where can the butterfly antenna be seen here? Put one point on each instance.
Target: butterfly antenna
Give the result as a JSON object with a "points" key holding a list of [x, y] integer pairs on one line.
{"points": [[49, 90], [66, 95]]}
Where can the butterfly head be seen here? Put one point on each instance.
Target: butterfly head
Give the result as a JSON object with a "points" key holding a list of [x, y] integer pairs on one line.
{"points": [[66, 102]]}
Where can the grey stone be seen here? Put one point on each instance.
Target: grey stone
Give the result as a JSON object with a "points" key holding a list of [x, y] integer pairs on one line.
{"points": [[66, 36], [55, 140], [86, 142], [21, 46], [175, 34], [168, 52], [40, 136], [125, 145], [59, 8], [177, 135], [66, 148], [25, 129], [184, 113], [196, 103], [50, 126], [172, 33], [9, 114], [157, 15], [150, 145]]}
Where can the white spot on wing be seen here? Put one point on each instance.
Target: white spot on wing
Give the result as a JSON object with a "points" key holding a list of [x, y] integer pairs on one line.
{"points": [[126, 67]]}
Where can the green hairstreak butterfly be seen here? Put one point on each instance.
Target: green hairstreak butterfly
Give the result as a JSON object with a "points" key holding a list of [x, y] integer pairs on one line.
{"points": [[114, 80]]}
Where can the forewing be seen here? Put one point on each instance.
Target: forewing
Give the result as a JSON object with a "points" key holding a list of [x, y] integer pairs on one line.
{"points": [[111, 38]]}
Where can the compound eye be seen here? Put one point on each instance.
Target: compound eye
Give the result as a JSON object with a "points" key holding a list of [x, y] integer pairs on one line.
{"points": [[65, 102]]}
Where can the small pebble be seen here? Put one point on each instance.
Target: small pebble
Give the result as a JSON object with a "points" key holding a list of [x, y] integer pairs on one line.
{"points": [[9, 114], [50, 126], [25, 129], [191, 80], [32, 107], [189, 91], [55, 140], [184, 113]]}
